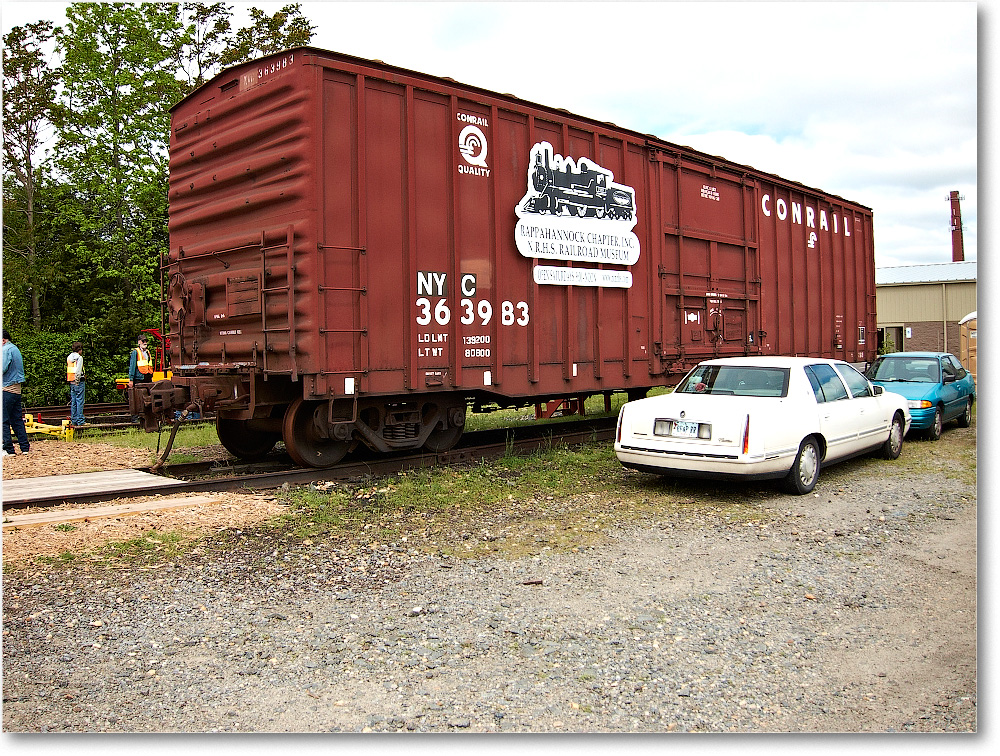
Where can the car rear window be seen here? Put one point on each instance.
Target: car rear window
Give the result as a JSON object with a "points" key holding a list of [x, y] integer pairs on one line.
{"points": [[736, 380]]}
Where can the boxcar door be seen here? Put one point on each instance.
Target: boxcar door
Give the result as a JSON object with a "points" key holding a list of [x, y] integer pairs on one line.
{"points": [[708, 272]]}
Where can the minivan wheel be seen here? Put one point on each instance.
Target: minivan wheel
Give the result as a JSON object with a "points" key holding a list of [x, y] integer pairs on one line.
{"points": [[801, 479]]}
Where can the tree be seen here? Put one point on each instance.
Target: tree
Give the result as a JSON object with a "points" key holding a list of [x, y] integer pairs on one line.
{"points": [[112, 124], [207, 34], [269, 34], [29, 92]]}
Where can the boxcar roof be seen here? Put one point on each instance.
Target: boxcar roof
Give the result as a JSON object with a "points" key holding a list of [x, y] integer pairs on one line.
{"points": [[447, 83]]}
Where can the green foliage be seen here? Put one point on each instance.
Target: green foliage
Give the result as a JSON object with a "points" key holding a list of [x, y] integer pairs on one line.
{"points": [[269, 34], [45, 366], [85, 230], [29, 91], [112, 123], [206, 37], [152, 545], [888, 345]]}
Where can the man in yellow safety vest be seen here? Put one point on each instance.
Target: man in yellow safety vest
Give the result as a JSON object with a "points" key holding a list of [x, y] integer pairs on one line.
{"points": [[74, 377], [140, 364]]}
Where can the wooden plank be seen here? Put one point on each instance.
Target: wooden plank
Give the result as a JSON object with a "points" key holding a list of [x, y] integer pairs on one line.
{"points": [[96, 513], [26, 490]]}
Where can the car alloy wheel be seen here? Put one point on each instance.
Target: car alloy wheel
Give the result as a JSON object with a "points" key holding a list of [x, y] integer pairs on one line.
{"points": [[965, 419], [934, 432]]}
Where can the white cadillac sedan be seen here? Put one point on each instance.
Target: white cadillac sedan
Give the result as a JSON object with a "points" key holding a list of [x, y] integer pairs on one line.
{"points": [[762, 417]]}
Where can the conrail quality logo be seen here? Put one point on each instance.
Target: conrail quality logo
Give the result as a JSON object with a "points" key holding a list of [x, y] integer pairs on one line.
{"points": [[472, 145], [574, 211]]}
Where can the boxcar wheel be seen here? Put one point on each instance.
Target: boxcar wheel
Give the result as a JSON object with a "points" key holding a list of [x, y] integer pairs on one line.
{"points": [[801, 479], [443, 439], [302, 437], [241, 441]]}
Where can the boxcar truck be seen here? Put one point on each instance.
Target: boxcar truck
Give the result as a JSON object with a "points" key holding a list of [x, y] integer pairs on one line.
{"points": [[360, 253]]}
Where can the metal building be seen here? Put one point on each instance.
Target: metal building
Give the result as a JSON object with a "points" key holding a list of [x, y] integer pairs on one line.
{"points": [[919, 306]]}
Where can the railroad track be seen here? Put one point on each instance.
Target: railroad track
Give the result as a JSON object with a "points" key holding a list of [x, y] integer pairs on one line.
{"points": [[278, 470], [99, 415]]}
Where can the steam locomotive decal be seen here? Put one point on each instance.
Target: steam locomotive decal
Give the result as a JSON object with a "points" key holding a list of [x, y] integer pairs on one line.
{"points": [[586, 189], [574, 211]]}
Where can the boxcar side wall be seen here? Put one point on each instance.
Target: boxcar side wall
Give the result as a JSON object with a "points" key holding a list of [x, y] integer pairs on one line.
{"points": [[373, 231], [817, 275]]}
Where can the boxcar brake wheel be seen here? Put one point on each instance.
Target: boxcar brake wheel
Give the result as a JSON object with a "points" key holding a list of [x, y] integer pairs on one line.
{"points": [[303, 441]]}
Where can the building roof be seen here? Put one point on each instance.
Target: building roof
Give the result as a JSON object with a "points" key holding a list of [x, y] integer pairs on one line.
{"points": [[928, 273]]}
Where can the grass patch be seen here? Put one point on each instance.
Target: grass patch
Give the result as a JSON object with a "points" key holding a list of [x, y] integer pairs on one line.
{"points": [[556, 499], [150, 546], [953, 455], [188, 436]]}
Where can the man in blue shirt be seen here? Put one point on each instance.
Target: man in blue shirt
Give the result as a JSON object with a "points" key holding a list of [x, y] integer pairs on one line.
{"points": [[13, 415]]}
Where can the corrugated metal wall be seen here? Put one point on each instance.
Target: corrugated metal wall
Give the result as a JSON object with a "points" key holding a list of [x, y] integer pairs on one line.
{"points": [[928, 312], [903, 303]]}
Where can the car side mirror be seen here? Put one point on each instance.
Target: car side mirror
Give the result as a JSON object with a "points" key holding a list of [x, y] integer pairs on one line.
{"points": [[950, 378], [877, 390]]}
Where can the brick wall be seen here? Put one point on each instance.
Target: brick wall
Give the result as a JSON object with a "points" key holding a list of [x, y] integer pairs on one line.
{"points": [[927, 336]]}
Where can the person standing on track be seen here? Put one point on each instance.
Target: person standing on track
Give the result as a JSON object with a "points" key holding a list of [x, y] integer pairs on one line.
{"points": [[77, 387], [140, 363], [140, 366], [13, 414]]}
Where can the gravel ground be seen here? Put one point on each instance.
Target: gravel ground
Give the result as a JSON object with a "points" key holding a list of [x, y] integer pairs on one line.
{"points": [[849, 610]]}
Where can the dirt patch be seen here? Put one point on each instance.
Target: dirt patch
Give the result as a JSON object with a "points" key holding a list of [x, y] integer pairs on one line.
{"points": [[89, 537], [69, 457]]}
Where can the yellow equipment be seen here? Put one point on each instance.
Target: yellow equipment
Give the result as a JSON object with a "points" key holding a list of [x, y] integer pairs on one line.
{"points": [[63, 431], [159, 375]]}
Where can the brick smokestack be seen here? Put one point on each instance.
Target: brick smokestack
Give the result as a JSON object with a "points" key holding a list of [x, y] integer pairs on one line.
{"points": [[957, 246]]}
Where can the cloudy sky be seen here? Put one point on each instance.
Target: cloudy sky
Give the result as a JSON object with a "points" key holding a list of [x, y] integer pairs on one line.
{"points": [[875, 102]]}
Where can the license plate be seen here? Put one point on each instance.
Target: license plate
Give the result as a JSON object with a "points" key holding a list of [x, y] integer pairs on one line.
{"points": [[685, 429]]}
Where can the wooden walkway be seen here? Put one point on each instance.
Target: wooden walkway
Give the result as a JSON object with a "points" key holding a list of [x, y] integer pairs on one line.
{"points": [[113, 483]]}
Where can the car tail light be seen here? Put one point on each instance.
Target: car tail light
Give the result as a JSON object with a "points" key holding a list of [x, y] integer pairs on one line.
{"points": [[746, 436], [618, 431]]}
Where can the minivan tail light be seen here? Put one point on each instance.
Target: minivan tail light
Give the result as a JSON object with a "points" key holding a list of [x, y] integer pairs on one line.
{"points": [[746, 436]]}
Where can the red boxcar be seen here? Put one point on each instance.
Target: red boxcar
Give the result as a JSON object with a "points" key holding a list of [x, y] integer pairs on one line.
{"points": [[359, 252]]}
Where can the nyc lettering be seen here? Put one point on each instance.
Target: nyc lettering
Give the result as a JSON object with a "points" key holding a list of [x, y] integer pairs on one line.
{"points": [[432, 285], [781, 208]]}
